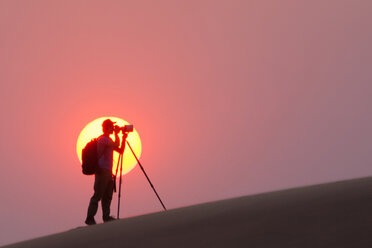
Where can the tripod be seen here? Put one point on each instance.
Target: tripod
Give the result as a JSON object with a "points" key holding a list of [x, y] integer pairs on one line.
{"points": [[120, 162]]}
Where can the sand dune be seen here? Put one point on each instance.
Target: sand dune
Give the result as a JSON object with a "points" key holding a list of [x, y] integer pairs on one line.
{"points": [[328, 215]]}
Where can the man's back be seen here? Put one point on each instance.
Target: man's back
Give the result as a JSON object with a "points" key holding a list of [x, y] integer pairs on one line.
{"points": [[105, 149]]}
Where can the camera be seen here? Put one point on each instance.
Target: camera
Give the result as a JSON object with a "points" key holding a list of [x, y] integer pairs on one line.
{"points": [[126, 128]]}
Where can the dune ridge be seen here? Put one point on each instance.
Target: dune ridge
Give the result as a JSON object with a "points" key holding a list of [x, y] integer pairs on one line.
{"points": [[335, 214]]}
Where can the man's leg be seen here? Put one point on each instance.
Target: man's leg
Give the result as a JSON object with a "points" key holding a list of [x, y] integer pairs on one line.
{"points": [[106, 200], [100, 184]]}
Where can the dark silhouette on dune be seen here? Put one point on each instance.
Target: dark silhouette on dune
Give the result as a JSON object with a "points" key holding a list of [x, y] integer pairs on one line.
{"points": [[328, 215], [104, 181]]}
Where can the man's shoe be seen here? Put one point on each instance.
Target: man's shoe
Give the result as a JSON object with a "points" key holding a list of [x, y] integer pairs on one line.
{"points": [[90, 221], [110, 218]]}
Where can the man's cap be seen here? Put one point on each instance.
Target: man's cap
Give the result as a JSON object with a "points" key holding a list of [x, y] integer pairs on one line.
{"points": [[108, 123]]}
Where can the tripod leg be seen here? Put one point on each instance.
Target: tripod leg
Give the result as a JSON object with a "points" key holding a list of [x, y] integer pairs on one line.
{"points": [[116, 173], [120, 162], [148, 179]]}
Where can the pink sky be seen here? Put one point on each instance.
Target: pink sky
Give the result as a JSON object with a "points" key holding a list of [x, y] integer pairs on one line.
{"points": [[230, 98]]}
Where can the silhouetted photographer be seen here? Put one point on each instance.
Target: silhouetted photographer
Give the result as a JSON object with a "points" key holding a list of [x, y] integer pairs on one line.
{"points": [[97, 159], [104, 182]]}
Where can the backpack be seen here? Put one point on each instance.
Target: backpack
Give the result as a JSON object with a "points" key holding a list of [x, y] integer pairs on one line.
{"points": [[90, 158]]}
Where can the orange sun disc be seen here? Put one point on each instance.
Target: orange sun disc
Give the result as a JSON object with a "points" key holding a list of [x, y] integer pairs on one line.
{"points": [[94, 129]]}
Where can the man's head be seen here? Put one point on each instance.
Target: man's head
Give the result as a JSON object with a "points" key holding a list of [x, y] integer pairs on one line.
{"points": [[108, 126]]}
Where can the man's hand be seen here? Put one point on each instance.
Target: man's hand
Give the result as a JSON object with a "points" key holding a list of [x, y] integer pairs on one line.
{"points": [[125, 135], [116, 129]]}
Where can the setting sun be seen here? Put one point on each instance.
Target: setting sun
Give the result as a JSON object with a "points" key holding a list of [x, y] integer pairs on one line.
{"points": [[94, 129]]}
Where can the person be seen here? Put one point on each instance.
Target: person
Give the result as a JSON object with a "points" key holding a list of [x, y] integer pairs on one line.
{"points": [[104, 182]]}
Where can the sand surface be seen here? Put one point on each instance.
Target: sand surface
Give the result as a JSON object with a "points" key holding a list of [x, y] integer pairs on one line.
{"points": [[328, 215]]}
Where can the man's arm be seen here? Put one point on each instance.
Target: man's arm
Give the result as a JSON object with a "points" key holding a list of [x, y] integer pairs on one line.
{"points": [[121, 149], [117, 140]]}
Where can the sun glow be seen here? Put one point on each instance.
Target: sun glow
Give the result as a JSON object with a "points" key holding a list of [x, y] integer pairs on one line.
{"points": [[94, 129]]}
